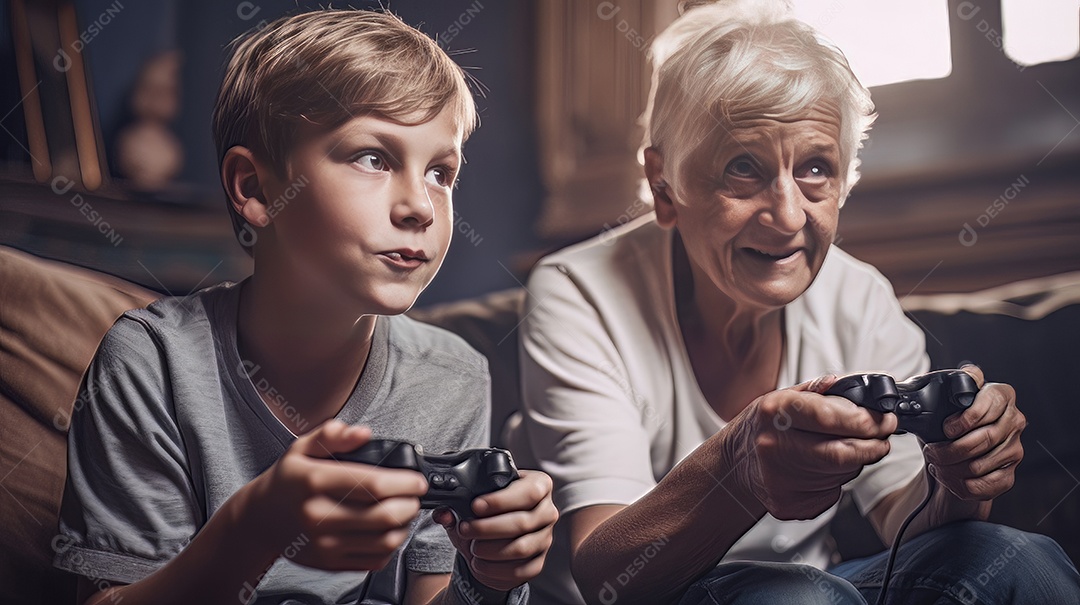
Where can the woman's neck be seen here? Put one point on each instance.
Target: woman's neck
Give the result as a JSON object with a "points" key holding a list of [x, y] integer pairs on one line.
{"points": [[737, 329], [734, 351]]}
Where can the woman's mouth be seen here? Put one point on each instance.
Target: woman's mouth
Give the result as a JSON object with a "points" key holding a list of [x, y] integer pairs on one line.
{"points": [[779, 257]]}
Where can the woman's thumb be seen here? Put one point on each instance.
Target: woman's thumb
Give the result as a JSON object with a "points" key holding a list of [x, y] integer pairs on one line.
{"points": [[817, 385]]}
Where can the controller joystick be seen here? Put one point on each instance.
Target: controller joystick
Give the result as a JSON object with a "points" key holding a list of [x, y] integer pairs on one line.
{"points": [[921, 403], [454, 479]]}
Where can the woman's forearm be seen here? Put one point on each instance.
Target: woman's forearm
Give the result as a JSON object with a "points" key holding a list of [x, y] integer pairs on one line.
{"points": [[943, 508], [651, 551]]}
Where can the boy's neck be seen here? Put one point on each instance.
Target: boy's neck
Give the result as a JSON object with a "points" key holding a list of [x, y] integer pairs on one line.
{"points": [[309, 352]]}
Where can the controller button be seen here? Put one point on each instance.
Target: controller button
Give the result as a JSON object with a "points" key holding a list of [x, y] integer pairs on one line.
{"points": [[437, 481], [452, 482], [904, 406], [965, 399]]}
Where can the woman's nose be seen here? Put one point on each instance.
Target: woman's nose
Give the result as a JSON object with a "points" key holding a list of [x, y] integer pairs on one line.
{"points": [[413, 206], [785, 212]]}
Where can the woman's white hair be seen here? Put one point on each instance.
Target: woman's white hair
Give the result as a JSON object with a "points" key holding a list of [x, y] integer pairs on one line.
{"points": [[738, 58]]}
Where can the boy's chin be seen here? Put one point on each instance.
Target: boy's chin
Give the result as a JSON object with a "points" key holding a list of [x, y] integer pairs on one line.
{"points": [[393, 303]]}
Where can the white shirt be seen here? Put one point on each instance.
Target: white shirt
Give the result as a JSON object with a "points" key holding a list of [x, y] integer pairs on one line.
{"points": [[611, 402]]}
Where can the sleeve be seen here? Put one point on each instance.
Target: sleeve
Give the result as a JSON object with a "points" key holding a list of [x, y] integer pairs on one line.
{"points": [[129, 505], [580, 413], [430, 549], [893, 344], [465, 590]]}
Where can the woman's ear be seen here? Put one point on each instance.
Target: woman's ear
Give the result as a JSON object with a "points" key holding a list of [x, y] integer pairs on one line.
{"points": [[242, 176], [661, 191]]}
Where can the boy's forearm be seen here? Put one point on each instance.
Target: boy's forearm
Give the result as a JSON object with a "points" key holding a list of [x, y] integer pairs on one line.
{"points": [[651, 551], [222, 564], [463, 589]]}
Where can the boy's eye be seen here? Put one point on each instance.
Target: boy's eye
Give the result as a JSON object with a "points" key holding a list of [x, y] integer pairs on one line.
{"points": [[438, 176], [371, 161]]}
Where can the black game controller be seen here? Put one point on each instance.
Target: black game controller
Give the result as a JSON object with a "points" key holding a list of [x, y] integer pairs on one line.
{"points": [[454, 479], [921, 403]]}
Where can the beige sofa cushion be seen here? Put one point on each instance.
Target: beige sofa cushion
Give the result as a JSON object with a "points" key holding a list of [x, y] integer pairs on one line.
{"points": [[52, 317]]}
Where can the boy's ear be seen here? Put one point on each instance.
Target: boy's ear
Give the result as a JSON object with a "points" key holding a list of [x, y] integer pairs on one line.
{"points": [[242, 176], [661, 191]]}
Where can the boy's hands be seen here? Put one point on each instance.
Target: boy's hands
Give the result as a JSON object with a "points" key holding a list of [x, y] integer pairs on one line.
{"points": [[506, 544], [343, 515], [794, 448]]}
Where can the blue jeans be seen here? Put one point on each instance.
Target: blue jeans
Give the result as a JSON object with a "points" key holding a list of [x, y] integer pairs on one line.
{"points": [[964, 563]]}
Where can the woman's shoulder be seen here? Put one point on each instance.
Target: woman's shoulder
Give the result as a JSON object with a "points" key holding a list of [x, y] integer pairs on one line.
{"points": [[843, 275], [635, 241], [626, 262]]}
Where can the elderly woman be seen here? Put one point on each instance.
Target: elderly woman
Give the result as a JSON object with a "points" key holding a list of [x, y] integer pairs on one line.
{"points": [[655, 360]]}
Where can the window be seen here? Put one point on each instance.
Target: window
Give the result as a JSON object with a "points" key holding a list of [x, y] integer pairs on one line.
{"points": [[886, 41], [1039, 31]]}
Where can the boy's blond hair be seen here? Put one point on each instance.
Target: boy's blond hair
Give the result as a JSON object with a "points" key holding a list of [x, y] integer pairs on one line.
{"points": [[320, 69]]}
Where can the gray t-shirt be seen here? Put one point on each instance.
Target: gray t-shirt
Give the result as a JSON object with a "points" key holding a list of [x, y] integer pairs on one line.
{"points": [[169, 424]]}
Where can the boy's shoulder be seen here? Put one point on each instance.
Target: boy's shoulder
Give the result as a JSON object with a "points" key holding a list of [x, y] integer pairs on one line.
{"points": [[167, 323], [189, 321], [182, 312], [421, 342]]}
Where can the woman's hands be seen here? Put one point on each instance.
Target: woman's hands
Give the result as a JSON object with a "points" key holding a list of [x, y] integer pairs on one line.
{"points": [[506, 544], [794, 448], [979, 463]]}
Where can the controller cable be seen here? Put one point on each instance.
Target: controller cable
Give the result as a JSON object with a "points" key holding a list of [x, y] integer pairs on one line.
{"points": [[931, 484]]}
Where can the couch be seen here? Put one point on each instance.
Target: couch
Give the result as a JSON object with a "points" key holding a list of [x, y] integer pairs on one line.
{"points": [[52, 316]]}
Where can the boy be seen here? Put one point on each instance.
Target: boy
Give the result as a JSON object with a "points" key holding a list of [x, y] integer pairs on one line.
{"points": [[339, 136]]}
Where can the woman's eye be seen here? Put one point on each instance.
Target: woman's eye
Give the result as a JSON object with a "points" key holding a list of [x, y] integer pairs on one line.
{"points": [[817, 171], [371, 161], [438, 176], [742, 168]]}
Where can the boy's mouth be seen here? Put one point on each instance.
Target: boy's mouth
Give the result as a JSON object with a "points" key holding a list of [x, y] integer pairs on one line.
{"points": [[405, 257]]}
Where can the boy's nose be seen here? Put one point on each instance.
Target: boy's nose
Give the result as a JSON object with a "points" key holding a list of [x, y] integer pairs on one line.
{"points": [[413, 206]]}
